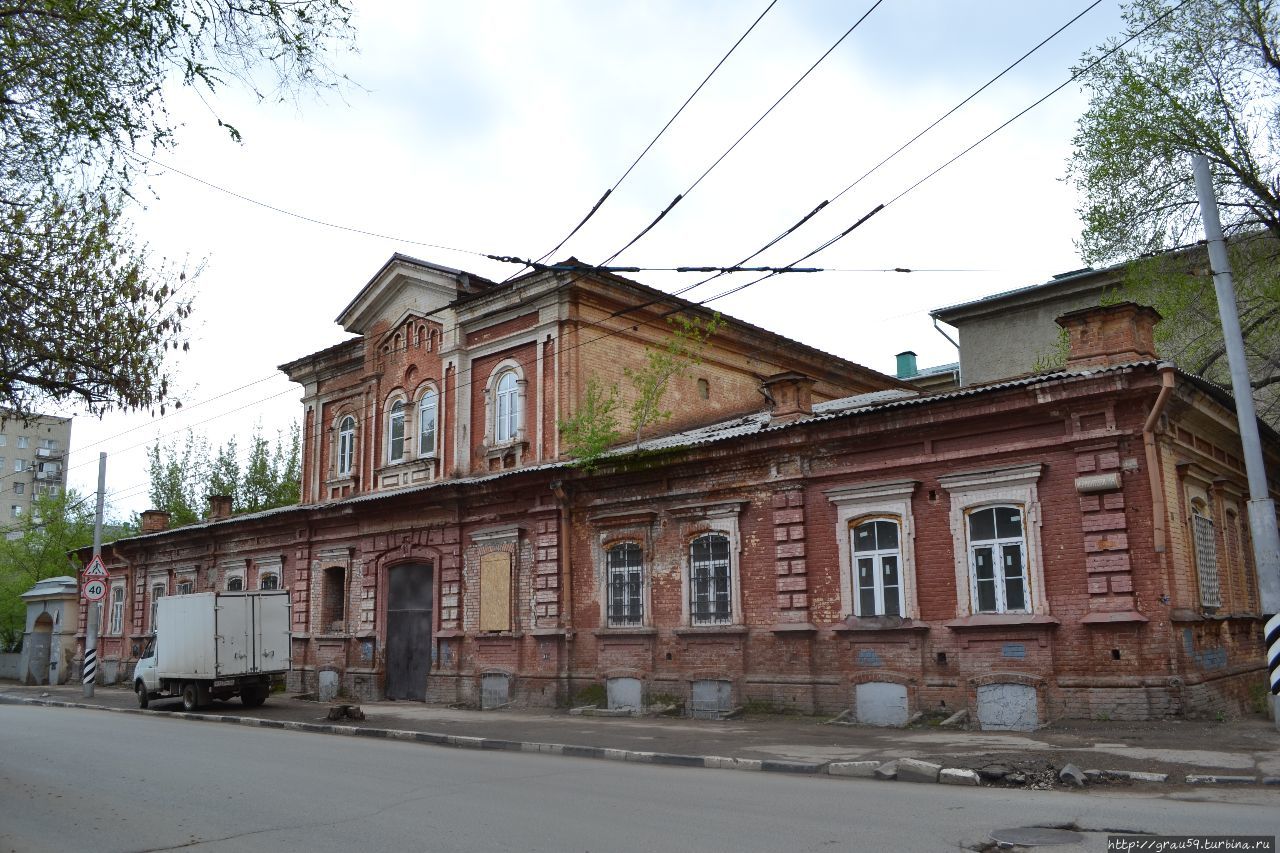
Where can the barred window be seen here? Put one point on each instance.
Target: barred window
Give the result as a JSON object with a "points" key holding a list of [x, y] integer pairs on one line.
{"points": [[1206, 555], [625, 564], [270, 581], [710, 580], [235, 583]]}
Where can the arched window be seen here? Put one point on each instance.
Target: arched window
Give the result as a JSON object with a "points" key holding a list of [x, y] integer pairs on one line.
{"points": [[625, 565], [427, 417], [346, 445], [998, 561], [395, 432], [235, 584], [507, 407], [269, 581], [877, 566], [710, 580]]}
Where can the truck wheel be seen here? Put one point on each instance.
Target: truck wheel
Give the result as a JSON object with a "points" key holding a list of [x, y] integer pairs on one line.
{"points": [[190, 696], [253, 696], [141, 690]]}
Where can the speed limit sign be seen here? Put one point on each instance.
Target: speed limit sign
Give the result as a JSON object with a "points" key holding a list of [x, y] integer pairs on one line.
{"points": [[95, 590]]}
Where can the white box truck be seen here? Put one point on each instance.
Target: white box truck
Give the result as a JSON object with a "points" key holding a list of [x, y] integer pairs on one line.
{"points": [[215, 645]]}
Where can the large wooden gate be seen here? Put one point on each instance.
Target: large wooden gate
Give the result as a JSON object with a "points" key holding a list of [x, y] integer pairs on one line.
{"points": [[409, 601]]}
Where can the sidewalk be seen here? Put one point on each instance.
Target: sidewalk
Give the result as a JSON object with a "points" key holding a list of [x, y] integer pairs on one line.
{"points": [[1239, 751]]}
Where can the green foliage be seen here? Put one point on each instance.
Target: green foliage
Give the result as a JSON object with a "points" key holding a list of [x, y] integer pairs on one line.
{"points": [[184, 476], [682, 350], [88, 315], [1055, 357], [1204, 79], [57, 524], [593, 429]]}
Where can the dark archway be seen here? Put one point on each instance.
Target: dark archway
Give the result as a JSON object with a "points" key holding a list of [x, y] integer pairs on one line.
{"points": [[410, 594]]}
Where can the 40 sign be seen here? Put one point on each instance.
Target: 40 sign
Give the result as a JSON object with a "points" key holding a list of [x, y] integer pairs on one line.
{"points": [[95, 580], [95, 590]]}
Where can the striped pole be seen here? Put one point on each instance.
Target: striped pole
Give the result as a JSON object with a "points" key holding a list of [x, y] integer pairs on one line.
{"points": [[1272, 633], [90, 664], [91, 622]]}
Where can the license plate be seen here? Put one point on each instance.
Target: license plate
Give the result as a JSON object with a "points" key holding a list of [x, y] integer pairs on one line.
{"points": [[224, 682]]}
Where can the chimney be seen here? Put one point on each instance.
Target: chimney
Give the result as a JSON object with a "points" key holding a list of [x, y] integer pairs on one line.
{"points": [[1110, 334], [790, 396], [219, 507], [907, 365], [154, 520]]}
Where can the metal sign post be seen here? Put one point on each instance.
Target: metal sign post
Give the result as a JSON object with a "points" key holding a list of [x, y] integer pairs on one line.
{"points": [[90, 668], [1262, 510]]}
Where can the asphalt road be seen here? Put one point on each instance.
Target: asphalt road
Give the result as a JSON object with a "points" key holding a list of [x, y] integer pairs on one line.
{"points": [[84, 780]]}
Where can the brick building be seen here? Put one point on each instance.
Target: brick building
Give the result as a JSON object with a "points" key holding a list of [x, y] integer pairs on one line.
{"points": [[804, 532]]}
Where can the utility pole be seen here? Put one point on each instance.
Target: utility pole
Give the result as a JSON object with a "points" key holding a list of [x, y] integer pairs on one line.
{"points": [[91, 618], [1262, 510]]}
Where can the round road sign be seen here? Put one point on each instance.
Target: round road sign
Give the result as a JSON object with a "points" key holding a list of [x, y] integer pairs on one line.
{"points": [[95, 590]]}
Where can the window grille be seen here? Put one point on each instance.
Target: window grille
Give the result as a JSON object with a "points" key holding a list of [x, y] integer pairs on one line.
{"points": [[625, 567], [710, 581]]}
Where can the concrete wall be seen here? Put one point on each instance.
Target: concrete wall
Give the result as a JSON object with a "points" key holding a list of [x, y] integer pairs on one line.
{"points": [[1008, 343], [10, 665]]}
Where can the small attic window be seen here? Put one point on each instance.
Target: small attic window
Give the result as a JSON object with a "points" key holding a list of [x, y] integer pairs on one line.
{"points": [[417, 338], [704, 389], [396, 342]]}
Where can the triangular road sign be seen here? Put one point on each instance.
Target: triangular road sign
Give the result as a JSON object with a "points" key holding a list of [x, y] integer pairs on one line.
{"points": [[95, 569]]}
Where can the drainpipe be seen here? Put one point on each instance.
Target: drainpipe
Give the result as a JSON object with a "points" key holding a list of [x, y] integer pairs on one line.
{"points": [[1159, 513]]}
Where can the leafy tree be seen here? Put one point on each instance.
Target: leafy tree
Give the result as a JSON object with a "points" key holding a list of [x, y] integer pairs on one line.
{"points": [[88, 315], [1202, 78], [56, 525], [594, 427], [682, 350], [183, 476]]}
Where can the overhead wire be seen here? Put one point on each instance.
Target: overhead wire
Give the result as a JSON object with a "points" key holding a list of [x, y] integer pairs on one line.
{"points": [[745, 133], [659, 134], [903, 147]]}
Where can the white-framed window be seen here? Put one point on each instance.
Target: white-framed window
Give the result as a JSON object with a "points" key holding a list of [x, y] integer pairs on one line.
{"points": [[877, 563], [117, 610], [23, 442], [506, 425], [1205, 540], [49, 444], [235, 583], [346, 445], [269, 580], [711, 580], [186, 587], [998, 560], [157, 593], [624, 565], [995, 529], [4, 439], [19, 465], [428, 416], [395, 432], [875, 537]]}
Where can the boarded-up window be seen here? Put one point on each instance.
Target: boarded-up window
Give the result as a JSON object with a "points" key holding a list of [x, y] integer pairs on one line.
{"points": [[495, 591]]}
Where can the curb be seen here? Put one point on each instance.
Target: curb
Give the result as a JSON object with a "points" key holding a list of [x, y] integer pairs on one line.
{"points": [[832, 769]]}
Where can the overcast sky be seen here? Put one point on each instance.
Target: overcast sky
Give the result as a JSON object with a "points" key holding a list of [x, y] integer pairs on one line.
{"points": [[492, 127]]}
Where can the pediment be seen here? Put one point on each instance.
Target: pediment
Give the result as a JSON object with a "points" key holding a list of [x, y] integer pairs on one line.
{"points": [[403, 287]]}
